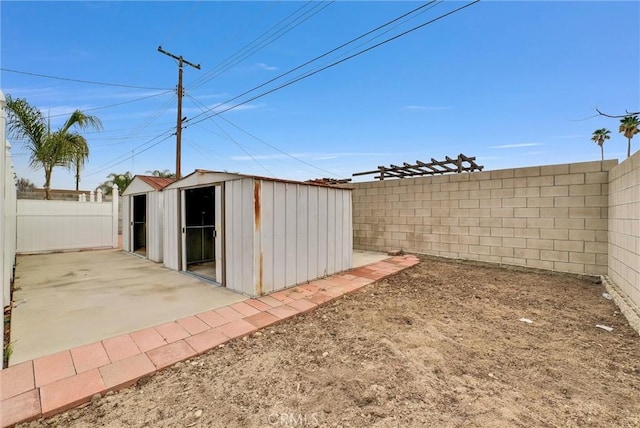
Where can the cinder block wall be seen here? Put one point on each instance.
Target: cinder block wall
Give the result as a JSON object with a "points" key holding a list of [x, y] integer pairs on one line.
{"points": [[550, 217], [624, 228]]}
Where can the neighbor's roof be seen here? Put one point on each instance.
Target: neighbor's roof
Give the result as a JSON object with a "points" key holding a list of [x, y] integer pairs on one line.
{"points": [[157, 183]]}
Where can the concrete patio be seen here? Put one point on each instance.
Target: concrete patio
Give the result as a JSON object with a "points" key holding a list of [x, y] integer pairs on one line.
{"points": [[65, 300]]}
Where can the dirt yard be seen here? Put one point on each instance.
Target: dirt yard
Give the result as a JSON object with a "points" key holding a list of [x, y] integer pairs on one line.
{"points": [[439, 344]]}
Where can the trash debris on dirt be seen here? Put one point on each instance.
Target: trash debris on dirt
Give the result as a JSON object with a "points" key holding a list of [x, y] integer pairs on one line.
{"points": [[527, 320], [606, 295], [604, 327]]}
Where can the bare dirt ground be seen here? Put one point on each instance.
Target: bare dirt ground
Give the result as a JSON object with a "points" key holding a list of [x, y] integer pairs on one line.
{"points": [[439, 344]]}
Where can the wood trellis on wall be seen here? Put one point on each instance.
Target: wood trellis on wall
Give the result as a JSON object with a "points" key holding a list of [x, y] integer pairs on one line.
{"points": [[459, 165]]}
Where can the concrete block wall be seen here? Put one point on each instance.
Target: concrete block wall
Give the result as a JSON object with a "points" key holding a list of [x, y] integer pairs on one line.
{"points": [[624, 229], [549, 217]]}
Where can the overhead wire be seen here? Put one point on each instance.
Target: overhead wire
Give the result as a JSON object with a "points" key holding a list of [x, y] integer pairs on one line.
{"points": [[234, 141], [238, 127], [309, 74], [125, 157], [325, 54], [8, 70], [414, 14], [231, 61], [117, 104], [279, 150], [159, 112]]}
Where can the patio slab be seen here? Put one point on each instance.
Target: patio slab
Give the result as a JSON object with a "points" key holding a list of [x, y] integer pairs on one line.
{"points": [[66, 300]]}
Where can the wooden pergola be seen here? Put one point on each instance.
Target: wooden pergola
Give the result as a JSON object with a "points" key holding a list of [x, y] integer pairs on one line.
{"points": [[448, 166]]}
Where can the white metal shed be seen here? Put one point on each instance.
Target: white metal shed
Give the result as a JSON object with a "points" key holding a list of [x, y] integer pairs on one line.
{"points": [[142, 216], [256, 235]]}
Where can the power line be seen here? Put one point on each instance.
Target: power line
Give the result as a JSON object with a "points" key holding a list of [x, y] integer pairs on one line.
{"points": [[304, 76], [81, 81], [117, 104], [278, 150], [125, 157], [323, 55], [231, 61], [235, 35], [267, 144], [163, 108], [230, 138]]}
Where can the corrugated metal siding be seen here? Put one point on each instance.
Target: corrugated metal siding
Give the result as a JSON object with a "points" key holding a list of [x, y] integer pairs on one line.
{"points": [[305, 233], [276, 234], [239, 233], [126, 220], [171, 229], [154, 226], [347, 231]]}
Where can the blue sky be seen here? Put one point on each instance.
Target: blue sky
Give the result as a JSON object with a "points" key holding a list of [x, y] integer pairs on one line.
{"points": [[513, 83]]}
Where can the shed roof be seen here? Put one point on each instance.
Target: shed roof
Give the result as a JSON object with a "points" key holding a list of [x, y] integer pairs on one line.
{"points": [[192, 179], [146, 183], [157, 183]]}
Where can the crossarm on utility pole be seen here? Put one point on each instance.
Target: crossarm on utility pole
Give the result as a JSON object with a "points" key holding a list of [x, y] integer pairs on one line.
{"points": [[180, 93]]}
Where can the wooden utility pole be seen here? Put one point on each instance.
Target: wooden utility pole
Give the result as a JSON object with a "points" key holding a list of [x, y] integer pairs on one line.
{"points": [[180, 118]]}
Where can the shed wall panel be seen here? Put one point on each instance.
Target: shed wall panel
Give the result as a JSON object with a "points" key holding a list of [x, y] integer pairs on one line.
{"points": [[291, 206], [347, 231], [154, 226], [268, 256], [239, 216], [331, 232], [302, 233], [247, 218], [323, 237], [312, 241], [279, 236], [338, 236], [126, 219], [171, 228]]}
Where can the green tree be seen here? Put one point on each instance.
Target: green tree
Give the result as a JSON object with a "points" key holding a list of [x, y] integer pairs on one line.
{"points": [[80, 155], [599, 137], [121, 180], [629, 128], [25, 185], [165, 173], [64, 147]]}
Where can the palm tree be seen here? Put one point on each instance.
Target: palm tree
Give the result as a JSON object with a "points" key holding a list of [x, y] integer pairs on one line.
{"points": [[629, 128], [80, 154], [63, 147], [165, 173], [121, 180], [599, 137]]}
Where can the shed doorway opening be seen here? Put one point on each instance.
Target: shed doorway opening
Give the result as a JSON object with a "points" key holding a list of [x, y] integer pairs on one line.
{"points": [[199, 232], [139, 225]]}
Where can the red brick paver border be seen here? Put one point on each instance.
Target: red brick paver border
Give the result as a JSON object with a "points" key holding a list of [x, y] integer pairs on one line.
{"points": [[58, 382]]}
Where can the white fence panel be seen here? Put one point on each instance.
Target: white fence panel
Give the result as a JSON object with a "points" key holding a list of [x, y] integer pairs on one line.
{"points": [[7, 215], [44, 226]]}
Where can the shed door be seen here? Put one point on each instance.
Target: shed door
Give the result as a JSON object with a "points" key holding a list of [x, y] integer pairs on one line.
{"points": [[139, 225], [199, 231]]}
